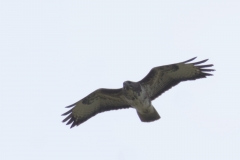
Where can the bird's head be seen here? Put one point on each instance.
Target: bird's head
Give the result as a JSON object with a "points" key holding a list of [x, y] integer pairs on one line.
{"points": [[131, 85], [127, 85]]}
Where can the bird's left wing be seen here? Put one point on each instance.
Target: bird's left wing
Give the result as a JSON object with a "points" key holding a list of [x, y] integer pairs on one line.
{"points": [[162, 78], [98, 101]]}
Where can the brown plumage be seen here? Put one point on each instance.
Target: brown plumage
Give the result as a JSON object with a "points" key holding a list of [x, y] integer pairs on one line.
{"points": [[137, 95]]}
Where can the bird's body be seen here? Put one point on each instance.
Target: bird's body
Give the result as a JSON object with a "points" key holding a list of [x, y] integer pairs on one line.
{"points": [[136, 95]]}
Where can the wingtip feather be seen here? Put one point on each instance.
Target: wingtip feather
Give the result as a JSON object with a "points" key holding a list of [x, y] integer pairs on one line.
{"points": [[70, 121], [73, 125], [205, 60], [207, 74], [68, 117], [66, 113], [72, 105], [189, 60], [207, 70], [205, 66]]}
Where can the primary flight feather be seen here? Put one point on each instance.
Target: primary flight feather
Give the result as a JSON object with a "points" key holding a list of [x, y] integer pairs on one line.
{"points": [[136, 95]]}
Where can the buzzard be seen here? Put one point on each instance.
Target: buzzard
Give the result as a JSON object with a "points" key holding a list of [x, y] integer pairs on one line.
{"points": [[137, 95]]}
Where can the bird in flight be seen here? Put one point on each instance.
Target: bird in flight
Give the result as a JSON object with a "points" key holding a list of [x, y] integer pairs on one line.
{"points": [[137, 95]]}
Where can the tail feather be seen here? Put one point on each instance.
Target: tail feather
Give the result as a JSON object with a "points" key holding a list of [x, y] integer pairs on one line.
{"points": [[150, 116]]}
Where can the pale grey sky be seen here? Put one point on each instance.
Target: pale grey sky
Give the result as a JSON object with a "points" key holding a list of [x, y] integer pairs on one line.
{"points": [[54, 53]]}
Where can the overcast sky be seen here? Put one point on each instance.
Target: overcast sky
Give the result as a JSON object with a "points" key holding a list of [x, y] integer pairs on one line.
{"points": [[53, 53]]}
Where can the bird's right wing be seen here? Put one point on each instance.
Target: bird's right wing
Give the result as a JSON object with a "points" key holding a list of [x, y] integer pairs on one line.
{"points": [[98, 101]]}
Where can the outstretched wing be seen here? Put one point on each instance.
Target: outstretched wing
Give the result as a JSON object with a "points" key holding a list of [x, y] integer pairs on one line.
{"points": [[98, 101], [162, 78]]}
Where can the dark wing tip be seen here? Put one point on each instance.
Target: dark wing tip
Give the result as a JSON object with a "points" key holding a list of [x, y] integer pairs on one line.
{"points": [[205, 60], [70, 117], [72, 105], [67, 118], [207, 74], [66, 113], [207, 70], [73, 124], [204, 68], [189, 60], [70, 120], [200, 67]]}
